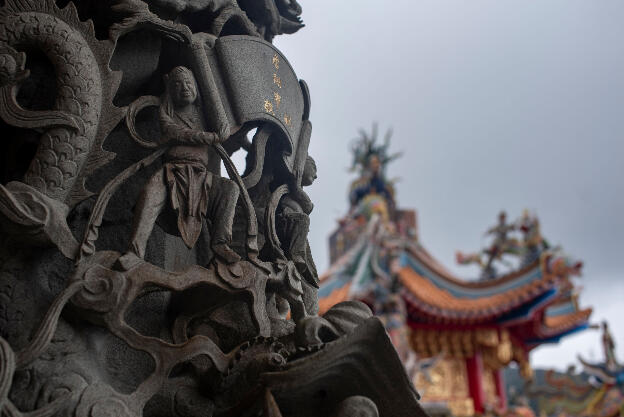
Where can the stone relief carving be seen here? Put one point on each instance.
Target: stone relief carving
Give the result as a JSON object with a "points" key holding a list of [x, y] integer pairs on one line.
{"points": [[102, 311], [189, 179]]}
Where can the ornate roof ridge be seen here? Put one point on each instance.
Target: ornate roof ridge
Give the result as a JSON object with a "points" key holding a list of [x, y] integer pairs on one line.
{"points": [[437, 301], [422, 254]]}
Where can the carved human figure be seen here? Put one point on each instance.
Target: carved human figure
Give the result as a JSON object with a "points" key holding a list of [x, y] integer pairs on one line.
{"points": [[373, 182], [190, 177], [502, 243], [294, 224], [608, 345], [533, 242], [530, 228], [501, 230]]}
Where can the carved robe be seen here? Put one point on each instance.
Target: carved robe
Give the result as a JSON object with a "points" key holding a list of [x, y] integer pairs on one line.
{"points": [[189, 180]]}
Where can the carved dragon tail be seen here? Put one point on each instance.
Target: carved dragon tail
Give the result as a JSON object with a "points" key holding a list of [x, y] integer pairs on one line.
{"points": [[74, 129]]}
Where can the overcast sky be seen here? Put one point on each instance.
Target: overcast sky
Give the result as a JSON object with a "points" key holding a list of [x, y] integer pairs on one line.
{"points": [[498, 104]]}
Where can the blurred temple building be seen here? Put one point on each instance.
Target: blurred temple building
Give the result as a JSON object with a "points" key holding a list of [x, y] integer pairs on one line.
{"points": [[454, 336], [596, 391]]}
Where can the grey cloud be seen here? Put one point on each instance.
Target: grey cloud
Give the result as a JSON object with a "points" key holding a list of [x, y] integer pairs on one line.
{"points": [[496, 104]]}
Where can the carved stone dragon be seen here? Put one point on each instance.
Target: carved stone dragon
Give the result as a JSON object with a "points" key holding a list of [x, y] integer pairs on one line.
{"points": [[82, 335]]}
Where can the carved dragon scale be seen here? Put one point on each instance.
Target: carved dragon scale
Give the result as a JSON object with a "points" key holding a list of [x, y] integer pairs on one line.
{"points": [[85, 333]]}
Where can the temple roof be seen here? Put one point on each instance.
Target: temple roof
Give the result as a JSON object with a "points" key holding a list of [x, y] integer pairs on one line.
{"points": [[597, 391], [434, 301], [533, 302], [376, 257], [563, 322]]}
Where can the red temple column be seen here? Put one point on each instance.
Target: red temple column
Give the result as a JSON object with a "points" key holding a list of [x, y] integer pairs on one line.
{"points": [[474, 366], [499, 381]]}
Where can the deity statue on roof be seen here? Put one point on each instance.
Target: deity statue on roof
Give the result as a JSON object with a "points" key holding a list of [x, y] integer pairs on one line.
{"points": [[501, 245], [608, 344], [528, 247], [533, 243], [372, 193]]}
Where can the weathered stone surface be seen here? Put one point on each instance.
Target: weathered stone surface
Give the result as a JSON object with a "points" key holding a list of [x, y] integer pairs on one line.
{"points": [[136, 278]]}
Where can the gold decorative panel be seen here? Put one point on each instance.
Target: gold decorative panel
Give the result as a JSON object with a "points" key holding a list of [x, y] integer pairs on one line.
{"points": [[447, 382]]}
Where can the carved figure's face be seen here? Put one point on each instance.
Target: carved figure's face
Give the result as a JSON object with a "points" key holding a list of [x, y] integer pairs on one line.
{"points": [[184, 89], [309, 173], [374, 164]]}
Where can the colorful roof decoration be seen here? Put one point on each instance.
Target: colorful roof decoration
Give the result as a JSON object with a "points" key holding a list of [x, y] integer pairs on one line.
{"points": [[372, 192], [376, 257], [596, 392], [534, 301], [366, 146], [505, 243]]}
